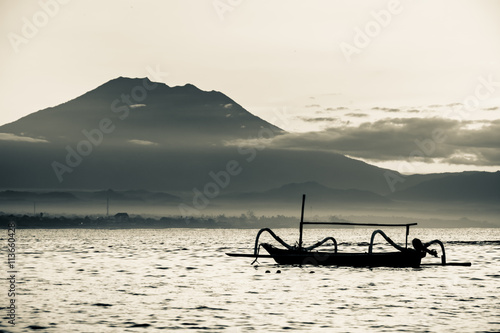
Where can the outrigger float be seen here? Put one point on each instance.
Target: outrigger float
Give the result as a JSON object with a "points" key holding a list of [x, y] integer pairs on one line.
{"points": [[300, 255]]}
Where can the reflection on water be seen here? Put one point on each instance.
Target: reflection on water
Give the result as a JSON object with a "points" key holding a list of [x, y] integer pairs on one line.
{"points": [[180, 279]]}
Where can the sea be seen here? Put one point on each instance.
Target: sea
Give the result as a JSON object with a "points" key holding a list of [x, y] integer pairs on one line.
{"points": [[142, 280]]}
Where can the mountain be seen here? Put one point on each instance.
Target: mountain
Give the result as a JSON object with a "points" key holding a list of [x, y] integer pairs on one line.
{"points": [[316, 193], [7, 196], [134, 133], [141, 196], [128, 196], [146, 112], [415, 179], [468, 187], [184, 147]]}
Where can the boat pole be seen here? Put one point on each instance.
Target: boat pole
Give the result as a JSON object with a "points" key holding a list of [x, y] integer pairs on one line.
{"points": [[301, 221], [407, 233]]}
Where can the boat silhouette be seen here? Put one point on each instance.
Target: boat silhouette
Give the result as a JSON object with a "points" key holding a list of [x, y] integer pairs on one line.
{"points": [[300, 255]]}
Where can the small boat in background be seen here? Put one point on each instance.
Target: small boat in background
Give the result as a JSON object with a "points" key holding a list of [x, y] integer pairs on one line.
{"points": [[300, 255]]}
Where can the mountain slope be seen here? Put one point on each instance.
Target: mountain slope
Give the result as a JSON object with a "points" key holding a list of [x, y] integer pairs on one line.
{"points": [[467, 187], [316, 193]]}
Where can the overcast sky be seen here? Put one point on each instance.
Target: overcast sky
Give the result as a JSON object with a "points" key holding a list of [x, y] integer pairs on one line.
{"points": [[340, 66]]}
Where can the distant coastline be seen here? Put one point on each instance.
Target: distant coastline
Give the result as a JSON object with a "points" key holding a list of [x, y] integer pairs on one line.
{"points": [[123, 221], [243, 221]]}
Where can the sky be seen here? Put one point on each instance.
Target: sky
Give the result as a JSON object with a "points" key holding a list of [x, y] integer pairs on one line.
{"points": [[409, 85]]}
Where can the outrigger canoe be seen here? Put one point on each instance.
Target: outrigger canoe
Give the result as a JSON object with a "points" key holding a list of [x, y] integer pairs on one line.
{"points": [[300, 255]]}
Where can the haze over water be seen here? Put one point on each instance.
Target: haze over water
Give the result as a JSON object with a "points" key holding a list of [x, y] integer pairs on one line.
{"points": [[180, 279]]}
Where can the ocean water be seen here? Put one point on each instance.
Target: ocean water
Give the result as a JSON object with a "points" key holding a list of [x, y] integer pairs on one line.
{"points": [[139, 280]]}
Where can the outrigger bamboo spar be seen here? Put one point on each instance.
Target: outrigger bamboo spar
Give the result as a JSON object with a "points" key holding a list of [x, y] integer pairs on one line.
{"points": [[300, 255]]}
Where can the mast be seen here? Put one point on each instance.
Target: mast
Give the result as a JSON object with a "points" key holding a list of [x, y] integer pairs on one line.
{"points": [[302, 221]]}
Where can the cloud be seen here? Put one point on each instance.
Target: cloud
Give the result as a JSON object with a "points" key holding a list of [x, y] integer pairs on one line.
{"points": [[336, 109], [228, 106], [313, 106], [386, 109], [319, 119], [357, 115], [422, 139], [13, 137], [135, 106], [143, 142]]}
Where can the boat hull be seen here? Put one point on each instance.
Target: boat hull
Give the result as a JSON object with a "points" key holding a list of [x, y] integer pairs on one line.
{"points": [[409, 258]]}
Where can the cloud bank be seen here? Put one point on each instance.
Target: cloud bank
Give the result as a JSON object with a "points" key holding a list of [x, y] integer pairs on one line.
{"points": [[424, 139], [14, 137]]}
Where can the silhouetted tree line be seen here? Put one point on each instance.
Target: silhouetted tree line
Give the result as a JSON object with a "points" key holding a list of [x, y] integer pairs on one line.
{"points": [[246, 221]]}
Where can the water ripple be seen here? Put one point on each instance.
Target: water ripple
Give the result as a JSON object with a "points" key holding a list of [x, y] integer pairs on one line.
{"points": [[118, 280]]}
